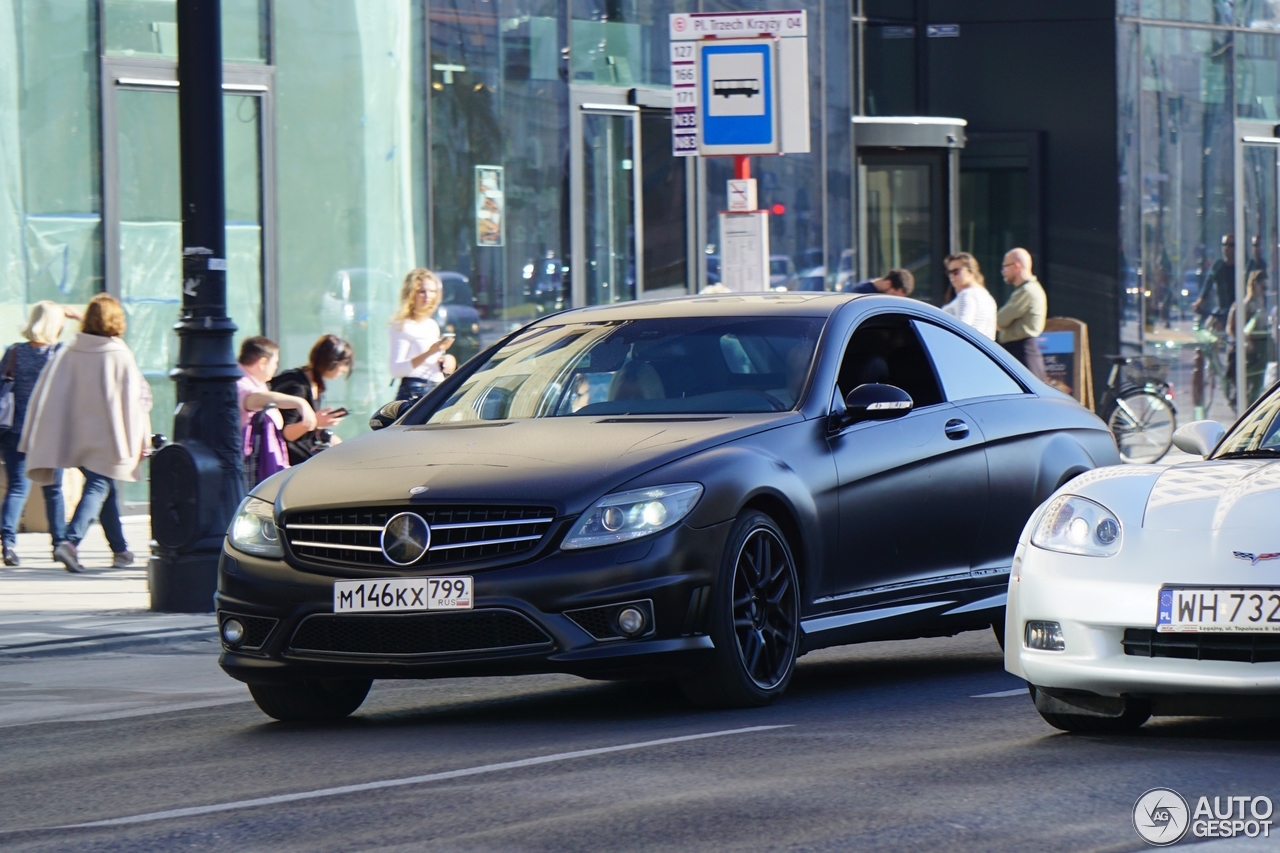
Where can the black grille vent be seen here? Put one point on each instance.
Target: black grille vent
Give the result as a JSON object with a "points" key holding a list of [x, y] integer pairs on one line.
{"points": [[416, 633], [459, 534], [1245, 648]]}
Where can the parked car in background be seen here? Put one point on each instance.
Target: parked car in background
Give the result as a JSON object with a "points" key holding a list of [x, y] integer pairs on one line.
{"points": [[782, 273], [458, 314]]}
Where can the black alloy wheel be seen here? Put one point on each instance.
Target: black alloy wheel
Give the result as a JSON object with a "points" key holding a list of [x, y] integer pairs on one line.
{"points": [[755, 620], [310, 700]]}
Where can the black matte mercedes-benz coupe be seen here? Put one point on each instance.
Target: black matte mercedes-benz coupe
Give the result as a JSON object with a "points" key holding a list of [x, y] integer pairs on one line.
{"points": [[702, 489]]}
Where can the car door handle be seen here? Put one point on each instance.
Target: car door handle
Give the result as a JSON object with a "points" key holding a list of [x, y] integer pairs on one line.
{"points": [[956, 429]]}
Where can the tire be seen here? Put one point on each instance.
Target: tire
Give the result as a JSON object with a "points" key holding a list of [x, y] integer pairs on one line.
{"points": [[1143, 425], [311, 700], [754, 621], [1135, 714]]}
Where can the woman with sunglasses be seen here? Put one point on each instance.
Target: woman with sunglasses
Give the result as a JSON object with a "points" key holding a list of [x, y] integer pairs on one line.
{"points": [[331, 358], [973, 303]]}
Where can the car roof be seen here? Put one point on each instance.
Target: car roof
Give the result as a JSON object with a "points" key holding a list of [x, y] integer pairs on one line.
{"points": [[715, 305]]}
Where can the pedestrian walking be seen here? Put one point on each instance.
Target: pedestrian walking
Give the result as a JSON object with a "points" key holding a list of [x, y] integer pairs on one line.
{"points": [[417, 347], [896, 282], [91, 409], [973, 303], [331, 358], [261, 410], [1021, 320], [22, 364]]}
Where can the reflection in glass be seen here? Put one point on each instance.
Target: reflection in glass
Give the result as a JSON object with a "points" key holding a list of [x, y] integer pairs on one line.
{"points": [[149, 29], [665, 203], [1258, 313], [900, 222], [609, 158]]}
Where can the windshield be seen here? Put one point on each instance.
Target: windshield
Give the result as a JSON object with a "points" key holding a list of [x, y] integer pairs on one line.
{"points": [[1258, 430], [710, 365]]}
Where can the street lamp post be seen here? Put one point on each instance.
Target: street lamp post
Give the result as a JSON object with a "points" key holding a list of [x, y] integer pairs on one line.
{"points": [[196, 481]]}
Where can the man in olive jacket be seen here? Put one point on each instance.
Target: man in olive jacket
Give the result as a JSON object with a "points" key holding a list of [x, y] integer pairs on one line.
{"points": [[1021, 320]]}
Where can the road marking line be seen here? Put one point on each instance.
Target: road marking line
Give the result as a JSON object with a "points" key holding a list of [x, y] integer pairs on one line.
{"points": [[1002, 694], [126, 713], [410, 780]]}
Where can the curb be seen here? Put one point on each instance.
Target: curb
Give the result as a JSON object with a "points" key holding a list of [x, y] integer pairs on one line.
{"points": [[106, 643]]}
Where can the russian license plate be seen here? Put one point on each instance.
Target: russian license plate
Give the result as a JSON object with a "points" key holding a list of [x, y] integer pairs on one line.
{"points": [[1219, 610], [388, 595]]}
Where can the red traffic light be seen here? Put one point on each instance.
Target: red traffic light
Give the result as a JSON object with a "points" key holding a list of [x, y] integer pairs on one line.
{"points": [[778, 209]]}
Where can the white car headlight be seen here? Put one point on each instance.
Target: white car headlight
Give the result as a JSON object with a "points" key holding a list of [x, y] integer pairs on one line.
{"points": [[253, 530], [632, 514], [1075, 525]]}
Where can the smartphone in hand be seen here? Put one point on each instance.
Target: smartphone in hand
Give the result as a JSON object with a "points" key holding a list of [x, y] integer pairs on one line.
{"points": [[339, 412]]}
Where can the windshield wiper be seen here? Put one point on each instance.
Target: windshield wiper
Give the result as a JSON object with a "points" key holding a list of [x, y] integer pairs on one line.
{"points": [[1256, 453]]}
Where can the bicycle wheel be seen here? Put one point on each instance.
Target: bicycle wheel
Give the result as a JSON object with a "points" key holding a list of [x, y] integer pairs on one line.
{"points": [[1142, 423]]}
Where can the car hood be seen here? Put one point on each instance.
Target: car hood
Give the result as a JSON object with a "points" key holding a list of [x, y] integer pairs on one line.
{"points": [[1215, 495], [565, 462]]}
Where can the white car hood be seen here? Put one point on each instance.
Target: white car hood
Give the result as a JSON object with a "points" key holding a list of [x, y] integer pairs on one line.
{"points": [[1211, 495]]}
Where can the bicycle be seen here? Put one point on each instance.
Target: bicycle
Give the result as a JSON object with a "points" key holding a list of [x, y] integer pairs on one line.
{"points": [[1211, 372], [1139, 411]]}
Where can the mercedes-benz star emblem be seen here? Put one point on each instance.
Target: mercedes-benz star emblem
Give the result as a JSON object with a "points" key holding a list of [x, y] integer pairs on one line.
{"points": [[405, 538]]}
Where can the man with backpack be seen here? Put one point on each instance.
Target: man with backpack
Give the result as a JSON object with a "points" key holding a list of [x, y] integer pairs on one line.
{"points": [[264, 445]]}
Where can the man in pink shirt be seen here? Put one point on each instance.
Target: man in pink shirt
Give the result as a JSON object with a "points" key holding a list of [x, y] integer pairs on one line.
{"points": [[259, 358]]}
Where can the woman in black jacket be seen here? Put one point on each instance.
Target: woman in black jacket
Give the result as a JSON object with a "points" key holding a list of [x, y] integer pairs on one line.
{"points": [[330, 359]]}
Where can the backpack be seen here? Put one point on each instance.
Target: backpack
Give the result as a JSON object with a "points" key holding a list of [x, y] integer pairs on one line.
{"points": [[265, 450]]}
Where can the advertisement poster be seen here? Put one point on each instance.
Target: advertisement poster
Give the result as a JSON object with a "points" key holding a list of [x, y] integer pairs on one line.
{"points": [[490, 203], [1059, 350]]}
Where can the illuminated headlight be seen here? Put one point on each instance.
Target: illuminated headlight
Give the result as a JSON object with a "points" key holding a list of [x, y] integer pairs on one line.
{"points": [[1076, 525], [253, 530], [632, 514]]}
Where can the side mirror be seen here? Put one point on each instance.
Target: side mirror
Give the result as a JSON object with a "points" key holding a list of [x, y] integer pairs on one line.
{"points": [[873, 402], [1198, 437], [388, 414]]}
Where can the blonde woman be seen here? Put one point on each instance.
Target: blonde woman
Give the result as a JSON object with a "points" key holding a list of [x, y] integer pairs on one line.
{"points": [[22, 363], [418, 350], [91, 409], [973, 303]]}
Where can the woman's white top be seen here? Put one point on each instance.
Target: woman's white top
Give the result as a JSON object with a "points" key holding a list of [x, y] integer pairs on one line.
{"points": [[411, 338], [976, 306]]}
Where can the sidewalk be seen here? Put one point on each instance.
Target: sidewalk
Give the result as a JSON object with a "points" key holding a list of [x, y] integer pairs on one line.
{"points": [[45, 610]]}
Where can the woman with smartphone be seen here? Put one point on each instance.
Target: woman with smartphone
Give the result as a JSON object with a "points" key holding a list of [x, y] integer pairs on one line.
{"points": [[418, 350], [330, 359]]}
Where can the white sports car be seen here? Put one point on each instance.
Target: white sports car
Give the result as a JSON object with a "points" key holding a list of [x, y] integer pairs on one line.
{"points": [[1140, 590]]}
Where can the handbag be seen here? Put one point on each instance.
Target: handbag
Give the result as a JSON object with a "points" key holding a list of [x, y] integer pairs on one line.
{"points": [[7, 401]]}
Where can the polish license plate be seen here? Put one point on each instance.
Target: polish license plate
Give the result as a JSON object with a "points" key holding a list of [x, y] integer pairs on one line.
{"points": [[389, 595], [1223, 610]]}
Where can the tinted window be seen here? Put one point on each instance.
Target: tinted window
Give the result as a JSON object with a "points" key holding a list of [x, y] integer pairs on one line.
{"points": [[694, 365], [966, 371], [886, 349], [1259, 429]]}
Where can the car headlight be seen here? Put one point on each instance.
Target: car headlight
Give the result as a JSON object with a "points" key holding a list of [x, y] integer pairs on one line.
{"points": [[253, 530], [1074, 525], [632, 514]]}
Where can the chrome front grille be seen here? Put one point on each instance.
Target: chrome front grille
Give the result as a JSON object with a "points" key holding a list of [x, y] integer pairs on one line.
{"points": [[459, 534]]}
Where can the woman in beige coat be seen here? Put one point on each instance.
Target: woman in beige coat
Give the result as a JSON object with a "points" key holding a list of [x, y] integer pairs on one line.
{"points": [[90, 409]]}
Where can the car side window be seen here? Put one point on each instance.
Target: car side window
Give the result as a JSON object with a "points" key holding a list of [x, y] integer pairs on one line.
{"points": [[886, 349], [966, 371]]}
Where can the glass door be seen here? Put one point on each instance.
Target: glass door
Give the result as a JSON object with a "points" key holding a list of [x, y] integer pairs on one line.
{"points": [[610, 206], [1252, 330], [904, 223]]}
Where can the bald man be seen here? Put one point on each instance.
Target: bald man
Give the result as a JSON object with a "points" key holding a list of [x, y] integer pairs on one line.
{"points": [[1021, 320]]}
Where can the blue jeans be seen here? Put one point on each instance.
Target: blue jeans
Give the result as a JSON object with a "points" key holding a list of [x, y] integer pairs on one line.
{"points": [[15, 499], [99, 499]]}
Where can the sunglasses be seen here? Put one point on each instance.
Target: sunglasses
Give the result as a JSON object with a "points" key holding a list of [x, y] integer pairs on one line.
{"points": [[955, 270]]}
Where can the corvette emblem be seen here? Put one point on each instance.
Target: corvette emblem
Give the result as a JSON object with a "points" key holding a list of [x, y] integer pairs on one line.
{"points": [[1254, 559]]}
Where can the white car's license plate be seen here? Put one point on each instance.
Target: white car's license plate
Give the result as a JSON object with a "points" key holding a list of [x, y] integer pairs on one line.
{"points": [[1219, 610], [386, 595]]}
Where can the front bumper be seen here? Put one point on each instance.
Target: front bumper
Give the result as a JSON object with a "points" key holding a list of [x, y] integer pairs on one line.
{"points": [[1095, 600], [673, 570]]}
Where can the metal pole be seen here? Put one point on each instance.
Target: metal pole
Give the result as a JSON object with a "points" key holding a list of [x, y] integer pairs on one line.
{"points": [[196, 482]]}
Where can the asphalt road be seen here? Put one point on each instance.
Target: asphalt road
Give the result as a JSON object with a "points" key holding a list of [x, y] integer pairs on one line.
{"points": [[882, 747]]}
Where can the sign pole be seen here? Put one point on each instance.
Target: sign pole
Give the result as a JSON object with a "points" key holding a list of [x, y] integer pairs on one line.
{"points": [[741, 167]]}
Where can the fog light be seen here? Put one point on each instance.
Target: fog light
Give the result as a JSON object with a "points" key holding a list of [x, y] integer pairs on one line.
{"points": [[1045, 636], [233, 632], [630, 621]]}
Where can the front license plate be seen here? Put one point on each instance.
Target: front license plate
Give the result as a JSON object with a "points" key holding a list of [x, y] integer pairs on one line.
{"points": [[387, 595], [1219, 610]]}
